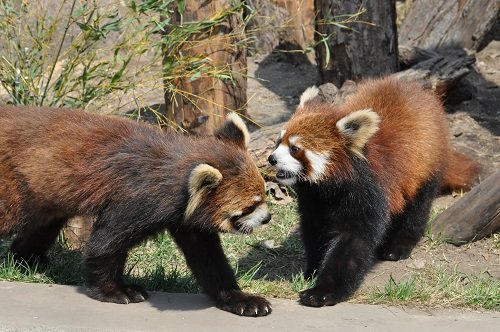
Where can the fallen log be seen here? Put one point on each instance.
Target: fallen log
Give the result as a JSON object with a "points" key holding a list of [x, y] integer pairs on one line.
{"points": [[438, 24], [440, 72], [474, 216]]}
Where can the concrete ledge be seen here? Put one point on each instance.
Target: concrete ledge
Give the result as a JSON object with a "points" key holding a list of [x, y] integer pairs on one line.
{"points": [[41, 307]]}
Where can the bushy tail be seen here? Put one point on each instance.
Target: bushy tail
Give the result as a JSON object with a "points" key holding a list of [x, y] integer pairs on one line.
{"points": [[461, 173]]}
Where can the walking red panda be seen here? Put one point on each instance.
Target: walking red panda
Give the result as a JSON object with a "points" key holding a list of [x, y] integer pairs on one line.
{"points": [[137, 181], [366, 173]]}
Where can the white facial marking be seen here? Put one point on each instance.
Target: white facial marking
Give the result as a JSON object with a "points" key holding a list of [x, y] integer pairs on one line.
{"points": [[256, 218], [318, 163], [257, 198], [285, 161], [237, 213], [282, 133], [293, 139]]}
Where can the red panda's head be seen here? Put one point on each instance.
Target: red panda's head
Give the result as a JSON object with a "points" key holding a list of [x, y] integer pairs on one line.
{"points": [[319, 141], [230, 191]]}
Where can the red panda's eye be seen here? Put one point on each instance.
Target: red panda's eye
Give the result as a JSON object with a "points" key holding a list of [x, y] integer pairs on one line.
{"points": [[294, 149]]}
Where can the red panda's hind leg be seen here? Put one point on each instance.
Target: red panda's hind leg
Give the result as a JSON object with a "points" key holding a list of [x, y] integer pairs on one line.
{"points": [[105, 283], [406, 229], [104, 255], [35, 238]]}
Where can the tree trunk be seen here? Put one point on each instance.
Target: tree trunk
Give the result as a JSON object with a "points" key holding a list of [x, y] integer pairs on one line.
{"points": [[206, 100], [438, 24], [368, 50]]}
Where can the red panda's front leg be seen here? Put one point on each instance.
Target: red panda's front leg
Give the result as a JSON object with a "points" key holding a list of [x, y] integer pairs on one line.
{"points": [[347, 260], [353, 233], [206, 259]]}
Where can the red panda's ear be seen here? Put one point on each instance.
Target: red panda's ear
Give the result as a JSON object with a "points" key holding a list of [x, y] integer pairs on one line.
{"points": [[234, 130], [358, 127], [202, 179], [310, 94]]}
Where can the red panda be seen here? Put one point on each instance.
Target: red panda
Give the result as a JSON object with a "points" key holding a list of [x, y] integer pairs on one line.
{"points": [[365, 174], [137, 181]]}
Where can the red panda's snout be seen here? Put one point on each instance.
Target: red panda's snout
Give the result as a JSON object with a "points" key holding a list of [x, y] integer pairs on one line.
{"points": [[288, 168], [245, 221], [242, 200]]}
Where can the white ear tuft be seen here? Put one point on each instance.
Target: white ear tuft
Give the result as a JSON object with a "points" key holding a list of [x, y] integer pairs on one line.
{"points": [[358, 127], [309, 94], [202, 179], [238, 122]]}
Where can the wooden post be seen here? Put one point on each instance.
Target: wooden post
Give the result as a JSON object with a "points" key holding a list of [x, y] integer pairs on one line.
{"points": [[77, 231], [433, 24], [367, 50], [282, 24], [474, 216], [208, 99]]}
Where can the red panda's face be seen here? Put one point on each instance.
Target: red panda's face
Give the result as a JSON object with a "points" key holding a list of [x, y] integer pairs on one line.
{"points": [[241, 200], [304, 150], [230, 193], [319, 141]]}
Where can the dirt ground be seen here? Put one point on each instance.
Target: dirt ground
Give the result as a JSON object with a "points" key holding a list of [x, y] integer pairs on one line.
{"points": [[474, 117]]}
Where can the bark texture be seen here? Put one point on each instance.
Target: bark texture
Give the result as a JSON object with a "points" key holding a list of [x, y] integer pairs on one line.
{"points": [[367, 49], [206, 100], [438, 24]]}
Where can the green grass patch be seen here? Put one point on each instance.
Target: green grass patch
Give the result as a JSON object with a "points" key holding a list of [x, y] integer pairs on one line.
{"points": [[438, 288]]}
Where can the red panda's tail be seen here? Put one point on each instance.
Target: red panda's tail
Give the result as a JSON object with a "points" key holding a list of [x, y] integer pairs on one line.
{"points": [[461, 173]]}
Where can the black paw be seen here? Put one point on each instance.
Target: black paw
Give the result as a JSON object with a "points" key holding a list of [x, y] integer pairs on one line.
{"points": [[244, 304], [316, 297], [124, 295]]}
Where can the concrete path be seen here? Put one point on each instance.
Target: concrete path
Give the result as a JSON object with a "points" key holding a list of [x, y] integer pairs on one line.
{"points": [[39, 307]]}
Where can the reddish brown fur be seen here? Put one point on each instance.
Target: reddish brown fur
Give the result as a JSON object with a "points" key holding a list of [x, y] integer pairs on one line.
{"points": [[10, 200], [461, 173], [410, 147]]}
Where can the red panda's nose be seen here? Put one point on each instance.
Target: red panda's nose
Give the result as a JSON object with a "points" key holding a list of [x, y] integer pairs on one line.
{"points": [[272, 159]]}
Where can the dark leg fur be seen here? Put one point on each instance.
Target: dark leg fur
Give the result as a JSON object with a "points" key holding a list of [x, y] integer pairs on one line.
{"points": [[342, 225], [407, 228], [105, 279], [315, 240], [105, 267], [347, 259], [33, 241], [207, 261]]}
